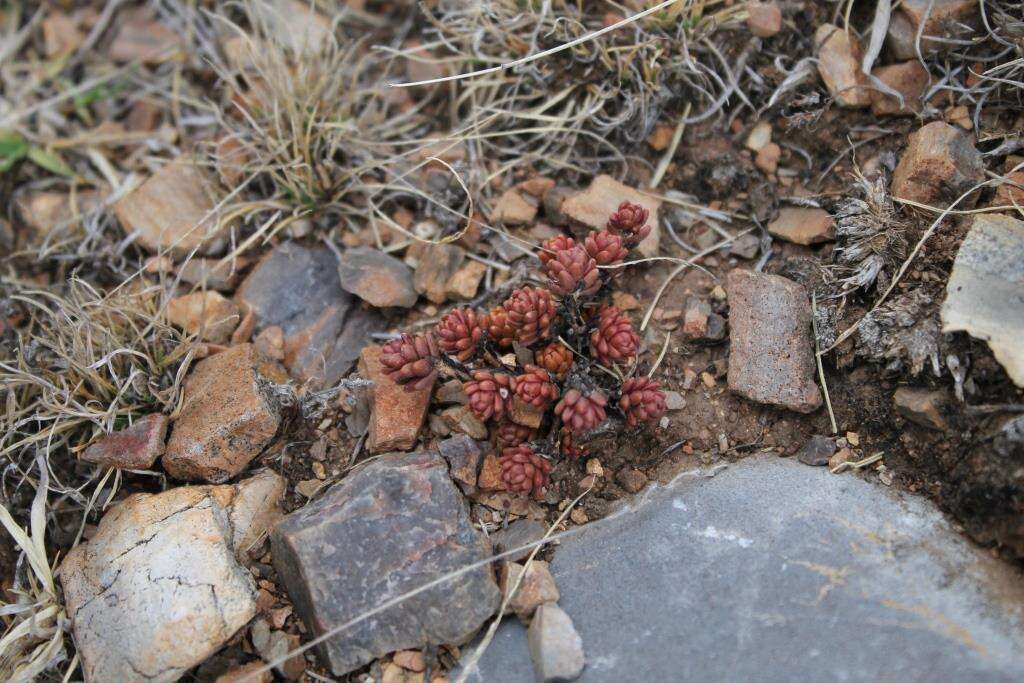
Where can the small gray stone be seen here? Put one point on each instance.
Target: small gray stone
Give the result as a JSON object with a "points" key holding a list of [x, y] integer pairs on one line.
{"points": [[517, 534], [389, 528], [463, 455], [555, 647], [674, 400], [817, 451], [770, 353], [377, 278], [746, 246]]}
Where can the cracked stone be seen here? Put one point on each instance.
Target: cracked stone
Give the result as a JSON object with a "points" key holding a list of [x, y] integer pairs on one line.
{"points": [[159, 587], [817, 451], [133, 448], [390, 527], [462, 420], [227, 416], [463, 456], [910, 79], [513, 208], [396, 415], [377, 278], [298, 289], [770, 352], [173, 211], [519, 533]]}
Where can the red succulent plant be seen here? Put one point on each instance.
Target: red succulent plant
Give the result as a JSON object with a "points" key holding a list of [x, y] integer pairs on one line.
{"points": [[524, 471], [582, 412], [571, 448], [499, 328], [642, 400], [530, 313], [460, 331], [605, 247], [511, 434], [409, 360], [614, 340], [535, 387], [550, 248], [630, 221], [489, 393], [573, 270], [555, 358]]}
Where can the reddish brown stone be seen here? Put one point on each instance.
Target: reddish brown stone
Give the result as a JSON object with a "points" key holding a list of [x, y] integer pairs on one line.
{"points": [[227, 416], [396, 415], [939, 164], [909, 79], [206, 314], [490, 474], [1011, 191], [839, 58], [764, 19], [133, 448], [523, 413]]}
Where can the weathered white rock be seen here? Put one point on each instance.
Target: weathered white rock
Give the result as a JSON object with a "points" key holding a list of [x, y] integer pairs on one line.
{"points": [[159, 588], [983, 295], [839, 57], [555, 647]]}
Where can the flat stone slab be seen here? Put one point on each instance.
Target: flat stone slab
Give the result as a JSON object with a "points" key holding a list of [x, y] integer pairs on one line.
{"points": [[985, 293], [775, 571]]}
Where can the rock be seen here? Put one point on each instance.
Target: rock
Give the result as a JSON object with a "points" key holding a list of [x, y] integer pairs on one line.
{"points": [[555, 647], [133, 448], [839, 64], [597, 203], [939, 164], [159, 588], [526, 414], [461, 420], [746, 246], [943, 19], [537, 186], [513, 208], [536, 586], [770, 352], [396, 415], [553, 200], [1011, 191], [767, 158], [660, 138], [702, 548], [174, 211], [925, 407], [46, 212], [388, 528], [490, 474], [803, 225], [294, 24], [983, 295], [141, 37], [451, 392], [519, 533], [674, 400], [410, 660], [227, 416], [695, 318], [466, 281], [909, 79], [278, 644], [247, 673], [437, 265], [631, 479], [208, 315], [463, 455], [298, 290], [376, 278], [841, 457], [760, 136], [764, 19], [817, 451], [219, 274]]}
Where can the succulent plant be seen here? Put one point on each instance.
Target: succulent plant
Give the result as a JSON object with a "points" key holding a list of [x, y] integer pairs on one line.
{"points": [[642, 400], [614, 340], [630, 221], [460, 331], [571, 448], [555, 358], [535, 387], [498, 327], [489, 393], [582, 412], [530, 313], [524, 471], [409, 360], [573, 270], [550, 248], [605, 247], [509, 434]]}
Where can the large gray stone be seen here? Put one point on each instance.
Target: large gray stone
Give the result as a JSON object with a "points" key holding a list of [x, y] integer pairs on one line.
{"points": [[394, 526], [298, 289], [773, 571]]}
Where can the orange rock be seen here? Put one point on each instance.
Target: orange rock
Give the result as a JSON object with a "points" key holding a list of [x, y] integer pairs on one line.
{"points": [[803, 225], [839, 58], [909, 79], [396, 415], [490, 474], [660, 138], [512, 208], [206, 314], [764, 19], [133, 448], [593, 206], [247, 673], [939, 164], [1011, 191]]}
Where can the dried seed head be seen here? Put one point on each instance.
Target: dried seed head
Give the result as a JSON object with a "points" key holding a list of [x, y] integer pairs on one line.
{"points": [[605, 247], [460, 331], [555, 358], [630, 221], [535, 387], [573, 270], [410, 360], [499, 328], [489, 394], [581, 413], [530, 313], [642, 400], [524, 471], [550, 248], [614, 340]]}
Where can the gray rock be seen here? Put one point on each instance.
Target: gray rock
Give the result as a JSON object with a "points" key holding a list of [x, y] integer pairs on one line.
{"points": [[555, 647], [159, 588], [517, 534], [376, 278], [770, 353], [389, 528], [817, 451], [463, 455], [983, 295], [773, 571], [298, 289]]}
